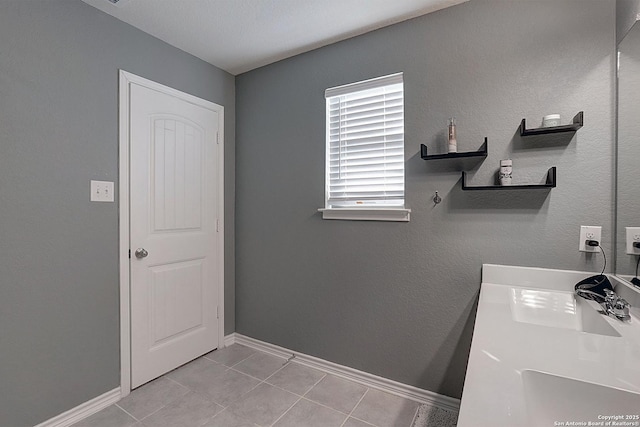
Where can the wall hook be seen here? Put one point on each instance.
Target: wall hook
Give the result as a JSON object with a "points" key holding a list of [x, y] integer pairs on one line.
{"points": [[437, 199]]}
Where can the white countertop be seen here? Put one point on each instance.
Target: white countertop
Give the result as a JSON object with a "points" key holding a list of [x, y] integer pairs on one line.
{"points": [[525, 324]]}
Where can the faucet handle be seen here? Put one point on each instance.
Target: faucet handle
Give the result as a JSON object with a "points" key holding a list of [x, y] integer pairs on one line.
{"points": [[610, 296], [621, 308], [616, 305]]}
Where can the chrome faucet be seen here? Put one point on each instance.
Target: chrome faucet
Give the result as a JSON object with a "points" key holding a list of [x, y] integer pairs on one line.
{"points": [[615, 305], [612, 304]]}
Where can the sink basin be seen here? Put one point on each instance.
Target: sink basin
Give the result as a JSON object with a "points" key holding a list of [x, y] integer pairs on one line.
{"points": [[559, 310], [550, 399]]}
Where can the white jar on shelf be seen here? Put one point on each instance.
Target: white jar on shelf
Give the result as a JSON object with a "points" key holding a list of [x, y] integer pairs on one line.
{"points": [[506, 170], [551, 120]]}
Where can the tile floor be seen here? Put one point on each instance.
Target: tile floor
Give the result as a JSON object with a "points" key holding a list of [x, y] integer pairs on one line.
{"points": [[241, 387]]}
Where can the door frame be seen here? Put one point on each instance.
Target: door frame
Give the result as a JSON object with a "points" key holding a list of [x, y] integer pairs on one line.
{"points": [[125, 81]]}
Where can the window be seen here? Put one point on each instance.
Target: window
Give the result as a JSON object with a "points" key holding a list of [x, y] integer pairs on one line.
{"points": [[365, 150]]}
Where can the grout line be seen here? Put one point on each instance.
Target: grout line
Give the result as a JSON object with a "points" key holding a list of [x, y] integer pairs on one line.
{"points": [[354, 408], [415, 416], [204, 394], [362, 378], [261, 381], [285, 412], [234, 414], [312, 387], [181, 397], [278, 370], [363, 421], [125, 411], [235, 363], [144, 418], [243, 360], [324, 375], [325, 406], [204, 356], [179, 383], [264, 381], [289, 391], [249, 375]]}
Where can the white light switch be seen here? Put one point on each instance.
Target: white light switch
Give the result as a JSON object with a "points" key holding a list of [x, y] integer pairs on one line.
{"points": [[101, 191]]}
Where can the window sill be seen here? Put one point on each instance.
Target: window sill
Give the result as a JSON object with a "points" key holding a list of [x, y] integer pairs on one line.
{"points": [[367, 214]]}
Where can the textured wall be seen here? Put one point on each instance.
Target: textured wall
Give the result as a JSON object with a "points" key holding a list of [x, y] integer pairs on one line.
{"points": [[627, 12], [628, 146], [398, 299], [59, 301]]}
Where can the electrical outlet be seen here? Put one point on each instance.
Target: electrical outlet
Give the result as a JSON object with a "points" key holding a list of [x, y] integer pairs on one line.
{"points": [[589, 232], [633, 235], [101, 191]]}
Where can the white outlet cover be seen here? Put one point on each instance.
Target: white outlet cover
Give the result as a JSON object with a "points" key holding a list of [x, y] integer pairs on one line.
{"points": [[589, 232], [633, 235], [102, 191]]}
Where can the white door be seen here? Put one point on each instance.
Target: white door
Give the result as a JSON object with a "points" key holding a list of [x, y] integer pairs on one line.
{"points": [[174, 241]]}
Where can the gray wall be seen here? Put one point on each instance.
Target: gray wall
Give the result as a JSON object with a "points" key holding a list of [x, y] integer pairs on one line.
{"points": [[628, 194], [627, 12], [59, 333], [398, 299]]}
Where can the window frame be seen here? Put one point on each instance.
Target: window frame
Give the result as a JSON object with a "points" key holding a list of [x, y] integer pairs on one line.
{"points": [[366, 212]]}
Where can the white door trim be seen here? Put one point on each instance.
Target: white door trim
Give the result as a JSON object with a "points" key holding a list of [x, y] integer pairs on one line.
{"points": [[125, 81]]}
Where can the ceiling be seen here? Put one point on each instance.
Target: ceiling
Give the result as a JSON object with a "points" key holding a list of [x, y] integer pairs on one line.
{"points": [[240, 35]]}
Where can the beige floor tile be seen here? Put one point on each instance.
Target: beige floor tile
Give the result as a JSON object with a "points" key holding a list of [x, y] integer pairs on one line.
{"points": [[337, 393], [309, 414], [385, 410], [192, 410], [296, 378], [264, 404]]}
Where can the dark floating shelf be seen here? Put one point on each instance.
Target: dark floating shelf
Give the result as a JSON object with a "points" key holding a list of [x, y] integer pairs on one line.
{"points": [[482, 152], [550, 183], [578, 122]]}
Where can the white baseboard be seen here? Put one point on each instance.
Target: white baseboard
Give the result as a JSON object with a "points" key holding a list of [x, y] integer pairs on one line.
{"points": [[83, 410], [364, 378], [230, 339], [89, 408]]}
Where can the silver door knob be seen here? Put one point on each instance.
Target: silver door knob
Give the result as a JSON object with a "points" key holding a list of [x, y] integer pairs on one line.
{"points": [[141, 253]]}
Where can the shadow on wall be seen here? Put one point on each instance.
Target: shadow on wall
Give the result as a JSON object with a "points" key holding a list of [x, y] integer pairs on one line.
{"points": [[554, 141], [417, 166], [509, 201], [461, 334]]}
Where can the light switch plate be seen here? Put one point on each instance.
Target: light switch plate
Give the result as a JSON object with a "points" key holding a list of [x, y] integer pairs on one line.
{"points": [[633, 235], [589, 232], [102, 191]]}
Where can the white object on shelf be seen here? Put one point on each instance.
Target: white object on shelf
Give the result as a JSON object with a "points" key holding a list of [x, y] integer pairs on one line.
{"points": [[453, 142], [506, 170], [551, 120]]}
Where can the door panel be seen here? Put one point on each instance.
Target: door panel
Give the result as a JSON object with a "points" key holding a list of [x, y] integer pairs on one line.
{"points": [[173, 213], [176, 298], [177, 174]]}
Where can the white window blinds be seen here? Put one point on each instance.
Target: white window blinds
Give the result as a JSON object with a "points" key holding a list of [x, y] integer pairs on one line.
{"points": [[365, 143]]}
